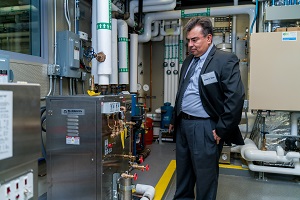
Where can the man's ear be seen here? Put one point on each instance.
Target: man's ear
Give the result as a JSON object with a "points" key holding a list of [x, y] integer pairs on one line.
{"points": [[209, 38]]}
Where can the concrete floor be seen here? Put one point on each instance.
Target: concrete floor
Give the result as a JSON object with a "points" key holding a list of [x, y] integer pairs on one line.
{"points": [[234, 184]]}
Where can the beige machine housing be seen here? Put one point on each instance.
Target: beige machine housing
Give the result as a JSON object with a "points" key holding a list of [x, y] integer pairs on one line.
{"points": [[274, 72]]}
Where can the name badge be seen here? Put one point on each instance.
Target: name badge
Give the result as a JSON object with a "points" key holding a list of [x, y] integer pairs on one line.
{"points": [[209, 78]]}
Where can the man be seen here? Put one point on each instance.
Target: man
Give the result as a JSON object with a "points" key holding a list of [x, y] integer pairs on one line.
{"points": [[207, 112]]}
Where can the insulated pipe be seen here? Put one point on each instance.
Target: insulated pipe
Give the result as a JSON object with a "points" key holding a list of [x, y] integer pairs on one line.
{"points": [[104, 40], [114, 62], [155, 30], [169, 78], [250, 152], [147, 190], [123, 52], [172, 66], [170, 31], [133, 62], [233, 44], [150, 6], [294, 123], [177, 14], [276, 170], [94, 41], [165, 65], [176, 69], [157, 38]]}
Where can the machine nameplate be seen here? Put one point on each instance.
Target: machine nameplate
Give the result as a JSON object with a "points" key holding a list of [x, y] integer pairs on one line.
{"points": [[72, 111]]}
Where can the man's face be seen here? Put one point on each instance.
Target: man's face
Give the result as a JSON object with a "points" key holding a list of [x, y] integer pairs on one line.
{"points": [[197, 43]]}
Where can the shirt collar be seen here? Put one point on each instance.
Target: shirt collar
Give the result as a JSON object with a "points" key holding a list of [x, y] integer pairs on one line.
{"points": [[204, 56]]}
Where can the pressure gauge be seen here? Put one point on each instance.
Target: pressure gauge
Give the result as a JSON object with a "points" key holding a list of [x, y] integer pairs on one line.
{"points": [[224, 156], [146, 87], [139, 86]]}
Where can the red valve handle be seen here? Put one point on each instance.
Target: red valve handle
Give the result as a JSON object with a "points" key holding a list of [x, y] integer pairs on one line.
{"points": [[147, 167], [110, 145], [135, 176], [141, 159]]}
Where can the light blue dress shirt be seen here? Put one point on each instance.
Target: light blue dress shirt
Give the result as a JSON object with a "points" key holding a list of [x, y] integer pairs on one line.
{"points": [[191, 102]]}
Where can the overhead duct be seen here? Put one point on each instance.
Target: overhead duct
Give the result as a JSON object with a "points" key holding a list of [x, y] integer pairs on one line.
{"points": [[177, 14]]}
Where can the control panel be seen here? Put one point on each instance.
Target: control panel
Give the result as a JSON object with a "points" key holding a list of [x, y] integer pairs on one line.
{"points": [[18, 188]]}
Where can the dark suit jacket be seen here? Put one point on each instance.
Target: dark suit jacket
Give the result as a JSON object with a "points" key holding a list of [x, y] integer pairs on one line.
{"points": [[223, 99]]}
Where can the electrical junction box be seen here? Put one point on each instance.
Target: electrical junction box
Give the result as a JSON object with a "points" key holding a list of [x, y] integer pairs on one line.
{"points": [[68, 52]]}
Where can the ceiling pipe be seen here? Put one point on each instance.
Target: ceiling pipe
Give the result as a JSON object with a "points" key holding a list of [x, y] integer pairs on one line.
{"points": [[215, 11], [150, 6], [171, 30]]}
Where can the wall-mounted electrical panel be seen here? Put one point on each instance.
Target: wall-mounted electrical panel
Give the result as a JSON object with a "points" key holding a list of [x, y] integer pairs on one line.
{"points": [[68, 54]]}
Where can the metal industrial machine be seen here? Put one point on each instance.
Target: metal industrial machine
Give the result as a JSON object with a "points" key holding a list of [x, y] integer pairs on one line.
{"points": [[19, 141], [89, 147]]}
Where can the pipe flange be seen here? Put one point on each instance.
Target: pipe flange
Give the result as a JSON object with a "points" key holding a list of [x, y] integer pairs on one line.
{"points": [[169, 72], [172, 64], [175, 72], [165, 64], [100, 57]]}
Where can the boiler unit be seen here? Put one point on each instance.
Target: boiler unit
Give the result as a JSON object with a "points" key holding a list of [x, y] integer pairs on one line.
{"points": [[88, 147]]}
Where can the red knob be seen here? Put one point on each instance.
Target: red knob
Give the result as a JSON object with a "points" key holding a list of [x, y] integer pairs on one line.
{"points": [[135, 176], [141, 160], [147, 167], [110, 145]]}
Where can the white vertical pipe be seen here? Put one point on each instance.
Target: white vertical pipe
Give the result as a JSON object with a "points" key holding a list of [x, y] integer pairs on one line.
{"points": [[181, 50], [165, 69], [169, 80], [140, 61], [172, 70], [104, 39], [175, 68], [94, 41], [123, 52], [233, 44], [114, 62], [133, 62]]}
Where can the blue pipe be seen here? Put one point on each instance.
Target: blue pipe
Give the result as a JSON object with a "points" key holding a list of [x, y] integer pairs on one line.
{"points": [[256, 11]]}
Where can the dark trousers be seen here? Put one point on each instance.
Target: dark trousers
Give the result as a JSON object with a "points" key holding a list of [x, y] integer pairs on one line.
{"points": [[197, 158]]}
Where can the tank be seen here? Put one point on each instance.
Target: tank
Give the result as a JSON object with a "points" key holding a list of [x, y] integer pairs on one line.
{"points": [[166, 115], [149, 131]]}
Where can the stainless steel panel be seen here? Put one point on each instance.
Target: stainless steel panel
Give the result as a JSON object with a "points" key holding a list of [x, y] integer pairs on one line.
{"points": [[83, 169], [26, 133]]}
